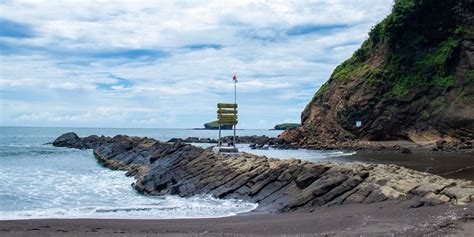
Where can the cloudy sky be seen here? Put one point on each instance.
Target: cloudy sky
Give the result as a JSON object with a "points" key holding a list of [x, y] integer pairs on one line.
{"points": [[166, 64]]}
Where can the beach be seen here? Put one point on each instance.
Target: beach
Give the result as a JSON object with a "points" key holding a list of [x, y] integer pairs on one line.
{"points": [[142, 216], [385, 218]]}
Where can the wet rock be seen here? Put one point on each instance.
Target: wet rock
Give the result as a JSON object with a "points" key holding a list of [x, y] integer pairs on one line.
{"points": [[257, 142], [178, 168], [405, 151], [70, 140]]}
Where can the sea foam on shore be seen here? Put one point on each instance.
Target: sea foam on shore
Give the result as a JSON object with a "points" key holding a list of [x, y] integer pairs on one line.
{"points": [[42, 181]]}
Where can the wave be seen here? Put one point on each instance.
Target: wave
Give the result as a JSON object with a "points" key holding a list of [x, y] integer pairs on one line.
{"points": [[180, 208]]}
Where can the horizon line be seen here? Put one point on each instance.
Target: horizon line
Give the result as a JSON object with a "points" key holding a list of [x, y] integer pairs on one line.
{"points": [[188, 128]]}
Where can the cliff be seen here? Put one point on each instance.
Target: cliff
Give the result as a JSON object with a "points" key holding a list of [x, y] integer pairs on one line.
{"points": [[181, 169], [412, 79]]}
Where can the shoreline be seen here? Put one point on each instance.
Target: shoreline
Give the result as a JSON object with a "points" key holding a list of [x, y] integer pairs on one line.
{"points": [[318, 198], [384, 218], [163, 168]]}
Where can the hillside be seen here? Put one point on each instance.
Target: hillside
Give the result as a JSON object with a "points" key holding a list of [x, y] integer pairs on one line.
{"points": [[412, 79]]}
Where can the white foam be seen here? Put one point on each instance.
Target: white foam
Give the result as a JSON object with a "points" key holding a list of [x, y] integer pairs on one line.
{"points": [[171, 207], [73, 185]]}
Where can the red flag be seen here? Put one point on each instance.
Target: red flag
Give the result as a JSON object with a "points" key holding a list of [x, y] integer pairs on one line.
{"points": [[234, 77]]}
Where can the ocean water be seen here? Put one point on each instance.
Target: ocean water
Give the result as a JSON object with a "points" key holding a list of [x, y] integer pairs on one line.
{"points": [[42, 181]]}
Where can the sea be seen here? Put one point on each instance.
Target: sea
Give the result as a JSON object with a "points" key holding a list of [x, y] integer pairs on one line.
{"points": [[38, 180]]}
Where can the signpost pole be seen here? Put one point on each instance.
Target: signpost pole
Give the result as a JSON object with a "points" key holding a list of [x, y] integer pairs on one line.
{"points": [[235, 102], [219, 144]]}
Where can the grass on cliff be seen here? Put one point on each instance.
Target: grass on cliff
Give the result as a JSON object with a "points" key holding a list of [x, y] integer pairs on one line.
{"points": [[416, 60]]}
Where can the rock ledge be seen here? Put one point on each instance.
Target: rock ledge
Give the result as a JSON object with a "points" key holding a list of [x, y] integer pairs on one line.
{"points": [[181, 169]]}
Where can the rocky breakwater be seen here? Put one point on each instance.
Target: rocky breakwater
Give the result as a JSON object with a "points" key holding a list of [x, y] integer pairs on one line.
{"points": [[264, 140], [181, 169]]}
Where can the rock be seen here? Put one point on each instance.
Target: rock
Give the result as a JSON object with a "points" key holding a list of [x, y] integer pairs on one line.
{"points": [[282, 185], [255, 141], [70, 140], [405, 151], [285, 126], [214, 125], [440, 144], [349, 107]]}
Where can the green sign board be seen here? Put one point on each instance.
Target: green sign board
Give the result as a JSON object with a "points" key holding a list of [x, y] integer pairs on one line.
{"points": [[227, 111], [226, 106], [227, 116], [228, 122]]}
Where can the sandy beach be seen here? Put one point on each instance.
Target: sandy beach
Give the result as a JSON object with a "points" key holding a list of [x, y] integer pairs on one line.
{"points": [[385, 218]]}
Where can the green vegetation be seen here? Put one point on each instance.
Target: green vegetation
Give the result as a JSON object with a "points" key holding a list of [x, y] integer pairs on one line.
{"points": [[429, 70], [436, 61], [215, 125], [285, 126], [415, 61], [439, 106], [411, 69], [470, 76], [445, 82], [323, 88]]}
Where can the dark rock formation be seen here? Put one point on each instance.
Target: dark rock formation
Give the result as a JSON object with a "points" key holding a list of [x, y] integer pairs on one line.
{"points": [[258, 140], [215, 125], [194, 140], [412, 79], [282, 185], [70, 140]]}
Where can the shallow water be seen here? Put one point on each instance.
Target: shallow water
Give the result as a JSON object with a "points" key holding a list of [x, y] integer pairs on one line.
{"points": [[42, 181], [448, 165]]}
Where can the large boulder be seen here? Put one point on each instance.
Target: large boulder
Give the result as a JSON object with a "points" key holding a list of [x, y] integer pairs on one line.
{"points": [[70, 140]]}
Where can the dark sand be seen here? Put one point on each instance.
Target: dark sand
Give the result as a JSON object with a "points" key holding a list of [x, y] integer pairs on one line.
{"points": [[386, 218]]}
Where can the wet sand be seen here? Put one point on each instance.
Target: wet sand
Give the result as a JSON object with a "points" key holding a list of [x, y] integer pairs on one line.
{"points": [[385, 218], [448, 165]]}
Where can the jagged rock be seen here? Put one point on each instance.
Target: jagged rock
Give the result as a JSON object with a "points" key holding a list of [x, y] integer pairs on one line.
{"points": [[283, 185]]}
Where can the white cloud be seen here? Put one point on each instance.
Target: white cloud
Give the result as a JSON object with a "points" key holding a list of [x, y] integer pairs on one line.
{"points": [[167, 63]]}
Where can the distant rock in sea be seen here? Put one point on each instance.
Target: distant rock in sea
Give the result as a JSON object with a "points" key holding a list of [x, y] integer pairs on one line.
{"points": [[215, 125], [285, 126]]}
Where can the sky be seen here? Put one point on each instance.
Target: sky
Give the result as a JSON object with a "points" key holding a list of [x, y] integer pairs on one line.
{"points": [[166, 64]]}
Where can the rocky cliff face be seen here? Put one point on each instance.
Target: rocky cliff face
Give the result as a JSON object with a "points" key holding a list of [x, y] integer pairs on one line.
{"points": [[412, 79], [277, 185]]}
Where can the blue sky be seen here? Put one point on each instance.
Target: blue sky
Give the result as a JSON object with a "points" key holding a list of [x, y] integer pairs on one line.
{"points": [[166, 64]]}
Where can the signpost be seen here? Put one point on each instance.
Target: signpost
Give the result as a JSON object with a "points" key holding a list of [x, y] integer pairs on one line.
{"points": [[227, 115]]}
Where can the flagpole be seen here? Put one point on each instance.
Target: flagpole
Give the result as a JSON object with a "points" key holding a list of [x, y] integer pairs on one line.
{"points": [[235, 102]]}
